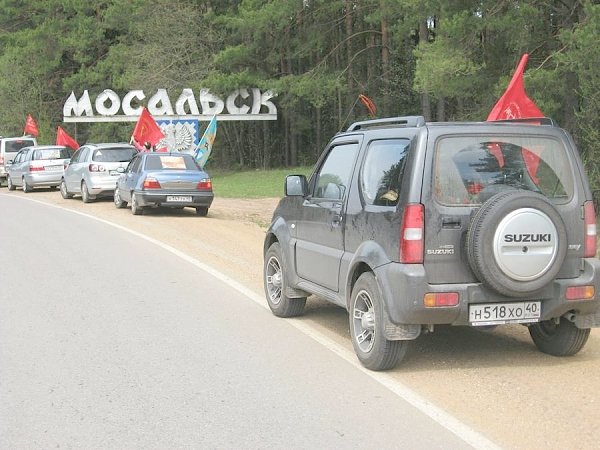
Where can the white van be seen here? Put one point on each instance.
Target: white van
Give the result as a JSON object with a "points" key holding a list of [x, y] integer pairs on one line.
{"points": [[9, 147]]}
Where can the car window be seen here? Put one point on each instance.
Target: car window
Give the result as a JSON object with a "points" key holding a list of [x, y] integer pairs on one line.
{"points": [[18, 157], [51, 153], [382, 171], [469, 169], [77, 155], [170, 162], [16, 145], [113, 154], [333, 178], [134, 165]]}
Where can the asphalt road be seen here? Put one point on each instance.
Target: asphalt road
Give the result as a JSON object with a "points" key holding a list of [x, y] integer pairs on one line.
{"points": [[109, 341]]}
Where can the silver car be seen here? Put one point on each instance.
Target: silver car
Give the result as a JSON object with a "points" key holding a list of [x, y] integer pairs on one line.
{"points": [[37, 166], [94, 170]]}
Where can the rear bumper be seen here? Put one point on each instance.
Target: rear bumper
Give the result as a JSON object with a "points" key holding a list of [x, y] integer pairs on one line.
{"points": [[198, 199], [101, 185], [404, 286], [44, 178]]}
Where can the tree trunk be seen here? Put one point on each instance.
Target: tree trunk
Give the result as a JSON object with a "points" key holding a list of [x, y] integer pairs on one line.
{"points": [[425, 100]]}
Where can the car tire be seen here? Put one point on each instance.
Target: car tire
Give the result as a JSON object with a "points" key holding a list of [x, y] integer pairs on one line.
{"points": [[502, 272], [366, 315], [26, 187], [274, 278], [136, 209], [63, 190], [202, 211], [119, 203], [558, 339], [9, 184], [85, 194]]}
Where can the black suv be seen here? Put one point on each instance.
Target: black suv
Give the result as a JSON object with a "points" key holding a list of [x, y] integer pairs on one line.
{"points": [[409, 224]]}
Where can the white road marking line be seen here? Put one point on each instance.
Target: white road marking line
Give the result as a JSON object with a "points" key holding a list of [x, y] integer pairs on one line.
{"points": [[463, 431]]}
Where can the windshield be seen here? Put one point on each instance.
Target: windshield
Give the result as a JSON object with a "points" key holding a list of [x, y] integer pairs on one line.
{"points": [[470, 169], [123, 154]]}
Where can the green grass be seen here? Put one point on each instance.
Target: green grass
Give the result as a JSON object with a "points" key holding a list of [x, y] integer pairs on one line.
{"points": [[252, 183]]}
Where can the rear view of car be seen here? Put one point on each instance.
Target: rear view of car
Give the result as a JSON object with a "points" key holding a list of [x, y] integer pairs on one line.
{"points": [[94, 170], [9, 147], [171, 180], [39, 166]]}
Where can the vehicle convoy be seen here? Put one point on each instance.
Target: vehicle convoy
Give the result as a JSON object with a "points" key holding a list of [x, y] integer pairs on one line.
{"points": [[168, 180], [409, 224], [37, 166], [9, 147]]}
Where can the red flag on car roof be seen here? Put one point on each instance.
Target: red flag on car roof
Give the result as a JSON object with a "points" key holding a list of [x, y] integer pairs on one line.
{"points": [[63, 138], [31, 127], [514, 103], [146, 130]]}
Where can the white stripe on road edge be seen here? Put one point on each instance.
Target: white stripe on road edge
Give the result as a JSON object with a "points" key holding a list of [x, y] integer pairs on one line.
{"points": [[463, 431]]}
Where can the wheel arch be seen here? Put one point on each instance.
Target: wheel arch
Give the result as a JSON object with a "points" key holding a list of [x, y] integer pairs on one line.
{"points": [[368, 256]]}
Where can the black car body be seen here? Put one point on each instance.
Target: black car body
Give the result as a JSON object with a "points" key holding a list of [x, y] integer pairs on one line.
{"points": [[409, 224]]}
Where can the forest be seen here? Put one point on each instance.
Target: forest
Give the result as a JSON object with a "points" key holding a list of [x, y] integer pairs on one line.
{"points": [[447, 60]]}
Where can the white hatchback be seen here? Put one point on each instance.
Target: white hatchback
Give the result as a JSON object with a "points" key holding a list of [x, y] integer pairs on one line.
{"points": [[94, 170]]}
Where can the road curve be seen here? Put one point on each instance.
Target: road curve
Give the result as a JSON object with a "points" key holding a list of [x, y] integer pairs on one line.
{"points": [[109, 341]]}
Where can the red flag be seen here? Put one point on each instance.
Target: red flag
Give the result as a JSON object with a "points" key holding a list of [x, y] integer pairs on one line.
{"points": [[147, 130], [31, 127], [63, 138], [514, 103], [369, 104]]}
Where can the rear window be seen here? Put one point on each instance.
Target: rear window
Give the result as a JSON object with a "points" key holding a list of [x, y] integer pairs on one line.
{"points": [[470, 169], [170, 162], [15, 146], [52, 153], [113, 154]]}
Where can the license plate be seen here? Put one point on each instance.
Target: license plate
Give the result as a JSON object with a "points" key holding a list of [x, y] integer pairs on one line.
{"points": [[179, 198], [54, 168], [501, 313]]}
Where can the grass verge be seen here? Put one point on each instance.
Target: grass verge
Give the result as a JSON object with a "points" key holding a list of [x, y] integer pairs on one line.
{"points": [[252, 183]]}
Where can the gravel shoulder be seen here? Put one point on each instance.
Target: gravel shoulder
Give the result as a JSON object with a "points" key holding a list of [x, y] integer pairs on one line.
{"points": [[495, 381]]}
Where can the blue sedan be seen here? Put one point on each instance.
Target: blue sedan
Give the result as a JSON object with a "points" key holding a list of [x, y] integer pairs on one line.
{"points": [[171, 180]]}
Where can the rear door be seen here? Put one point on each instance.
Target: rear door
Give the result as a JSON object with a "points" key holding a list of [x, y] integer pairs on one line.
{"points": [[468, 169], [74, 172], [320, 230]]}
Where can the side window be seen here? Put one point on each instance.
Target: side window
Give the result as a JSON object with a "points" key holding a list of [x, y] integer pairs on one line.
{"points": [[382, 171], [76, 156], [134, 165], [334, 176], [18, 158]]}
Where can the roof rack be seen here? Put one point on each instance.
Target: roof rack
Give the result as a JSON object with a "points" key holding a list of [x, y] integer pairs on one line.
{"points": [[408, 121], [531, 120]]}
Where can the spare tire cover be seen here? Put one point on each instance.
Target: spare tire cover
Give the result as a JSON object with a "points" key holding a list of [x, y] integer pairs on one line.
{"points": [[516, 243]]}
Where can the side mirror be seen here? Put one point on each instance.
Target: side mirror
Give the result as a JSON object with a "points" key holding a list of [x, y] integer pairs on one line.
{"points": [[296, 186]]}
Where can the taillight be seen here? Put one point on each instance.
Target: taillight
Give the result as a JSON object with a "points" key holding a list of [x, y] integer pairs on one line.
{"points": [[96, 168], [580, 293], [151, 183], [36, 168], [205, 185], [437, 299], [412, 234], [1, 159], [589, 219]]}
